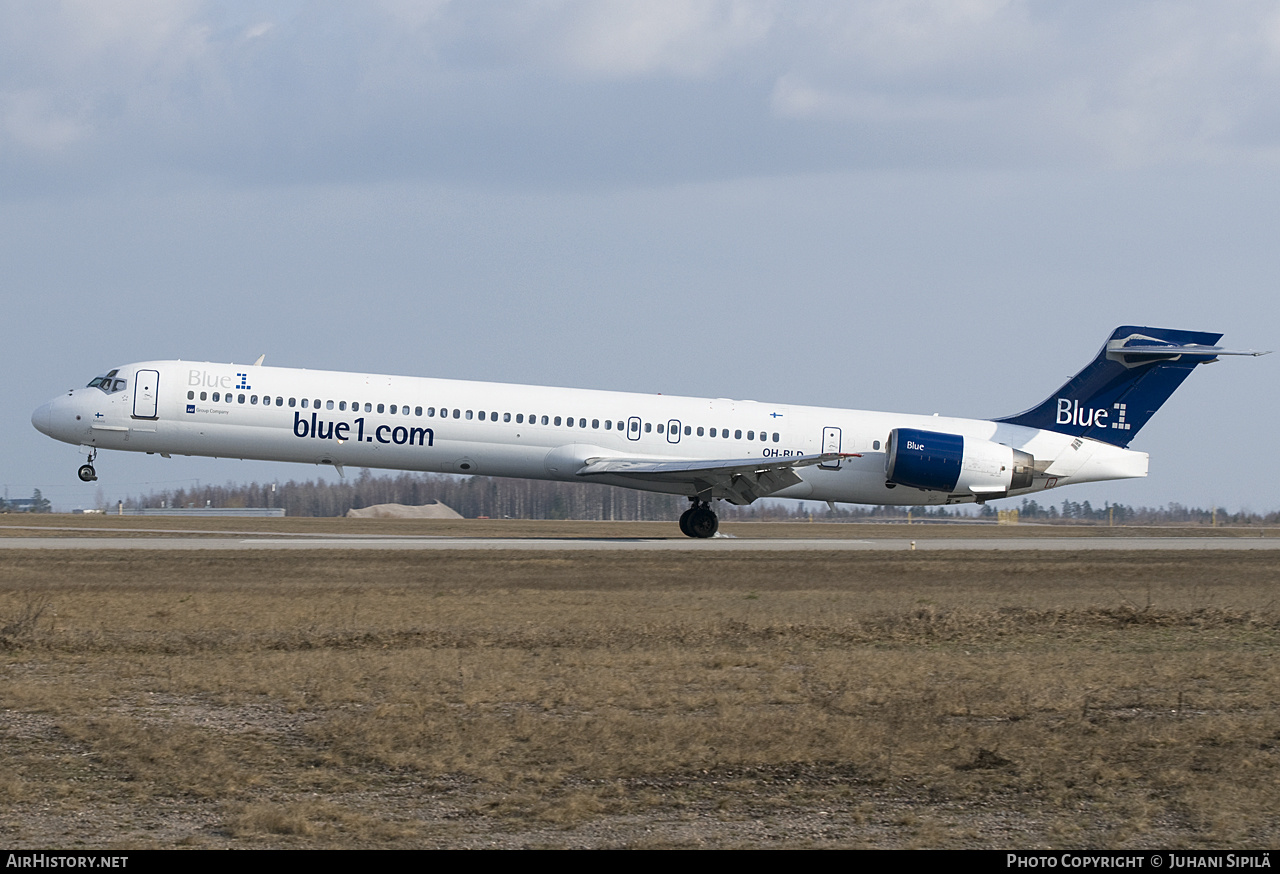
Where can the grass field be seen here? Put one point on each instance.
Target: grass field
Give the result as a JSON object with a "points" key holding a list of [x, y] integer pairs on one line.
{"points": [[396, 699]]}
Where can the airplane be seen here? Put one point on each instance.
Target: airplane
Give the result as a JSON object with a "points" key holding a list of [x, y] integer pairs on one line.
{"points": [[706, 449]]}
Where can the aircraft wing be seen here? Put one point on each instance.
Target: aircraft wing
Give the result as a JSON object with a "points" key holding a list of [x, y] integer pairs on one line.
{"points": [[739, 481]]}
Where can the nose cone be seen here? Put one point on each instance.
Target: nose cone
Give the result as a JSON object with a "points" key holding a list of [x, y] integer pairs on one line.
{"points": [[61, 419], [42, 418]]}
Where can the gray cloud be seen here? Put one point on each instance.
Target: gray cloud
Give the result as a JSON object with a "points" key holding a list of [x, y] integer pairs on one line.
{"points": [[625, 92]]}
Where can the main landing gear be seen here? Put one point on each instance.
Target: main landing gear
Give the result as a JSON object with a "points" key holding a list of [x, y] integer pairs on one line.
{"points": [[87, 473], [699, 520]]}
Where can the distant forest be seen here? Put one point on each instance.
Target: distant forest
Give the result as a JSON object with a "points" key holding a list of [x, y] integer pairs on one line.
{"points": [[496, 498]]}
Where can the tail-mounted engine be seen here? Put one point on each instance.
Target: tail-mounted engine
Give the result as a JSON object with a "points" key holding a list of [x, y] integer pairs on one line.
{"points": [[958, 465]]}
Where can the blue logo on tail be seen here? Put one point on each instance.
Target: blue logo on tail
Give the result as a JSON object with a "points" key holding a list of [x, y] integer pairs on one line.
{"points": [[1134, 373]]}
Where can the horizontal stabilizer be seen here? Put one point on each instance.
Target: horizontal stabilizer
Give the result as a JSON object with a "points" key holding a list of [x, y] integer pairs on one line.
{"points": [[1133, 351]]}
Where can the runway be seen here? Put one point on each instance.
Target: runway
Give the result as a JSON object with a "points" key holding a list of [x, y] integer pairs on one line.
{"points": [[682, 544]]}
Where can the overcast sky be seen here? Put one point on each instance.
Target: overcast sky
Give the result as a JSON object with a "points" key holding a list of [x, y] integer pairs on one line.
{"points": [[915, 206]]}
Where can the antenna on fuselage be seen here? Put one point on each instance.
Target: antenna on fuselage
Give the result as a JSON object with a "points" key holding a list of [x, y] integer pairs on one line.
{"points": [[258, 363]]}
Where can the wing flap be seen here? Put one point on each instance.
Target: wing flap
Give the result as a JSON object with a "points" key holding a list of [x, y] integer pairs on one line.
{"points": [[737, 480]]}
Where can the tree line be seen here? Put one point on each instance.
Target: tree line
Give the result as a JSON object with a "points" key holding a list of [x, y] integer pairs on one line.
{"points": [[37, 503], [498, 498]]}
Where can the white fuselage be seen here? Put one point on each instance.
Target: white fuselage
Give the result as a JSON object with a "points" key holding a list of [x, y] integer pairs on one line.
{"points": [[496, 429]]}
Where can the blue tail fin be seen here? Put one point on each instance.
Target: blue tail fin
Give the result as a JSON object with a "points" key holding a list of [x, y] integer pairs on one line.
{"points": [[1135, 372]]}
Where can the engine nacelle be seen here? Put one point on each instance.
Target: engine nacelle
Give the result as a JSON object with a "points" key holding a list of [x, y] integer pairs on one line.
{"points": [[951, 463]]}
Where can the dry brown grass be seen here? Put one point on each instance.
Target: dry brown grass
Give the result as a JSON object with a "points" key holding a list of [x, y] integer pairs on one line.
{"points": [[70, 525], [623, 699]]}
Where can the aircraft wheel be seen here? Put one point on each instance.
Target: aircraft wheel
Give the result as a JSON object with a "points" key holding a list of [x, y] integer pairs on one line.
{"points": [[87, 473], [684, 522], [703, 522]]}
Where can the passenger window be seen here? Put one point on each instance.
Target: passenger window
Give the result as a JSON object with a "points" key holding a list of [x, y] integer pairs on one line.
{"points": [[191, 396], [621, 426], [457, 413], [393, 409], [737, 435], [519, 418], [776, 437], [751, 435], [292, 401], [688, 430], [215, 397], [328, 405], [635, 426], [417, 411], [557, 420], [240, 399], [608, 424], [648, 427], [875, 444], [204, 396], [595, 423], [253, 400], [659, 429], [468, 414], [431, 412], [342, 405], [382, 408], [699, 430], [544, 420], [713, 432]]}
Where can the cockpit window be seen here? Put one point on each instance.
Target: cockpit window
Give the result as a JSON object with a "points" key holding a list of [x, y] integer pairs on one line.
{"points": [[108, 383]]}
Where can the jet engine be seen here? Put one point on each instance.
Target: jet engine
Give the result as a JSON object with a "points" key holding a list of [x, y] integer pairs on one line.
{"points": [[951, 463]]}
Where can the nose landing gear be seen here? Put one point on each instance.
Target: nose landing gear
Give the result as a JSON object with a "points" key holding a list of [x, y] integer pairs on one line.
{"points": [[699, 520], [86, 472]]}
